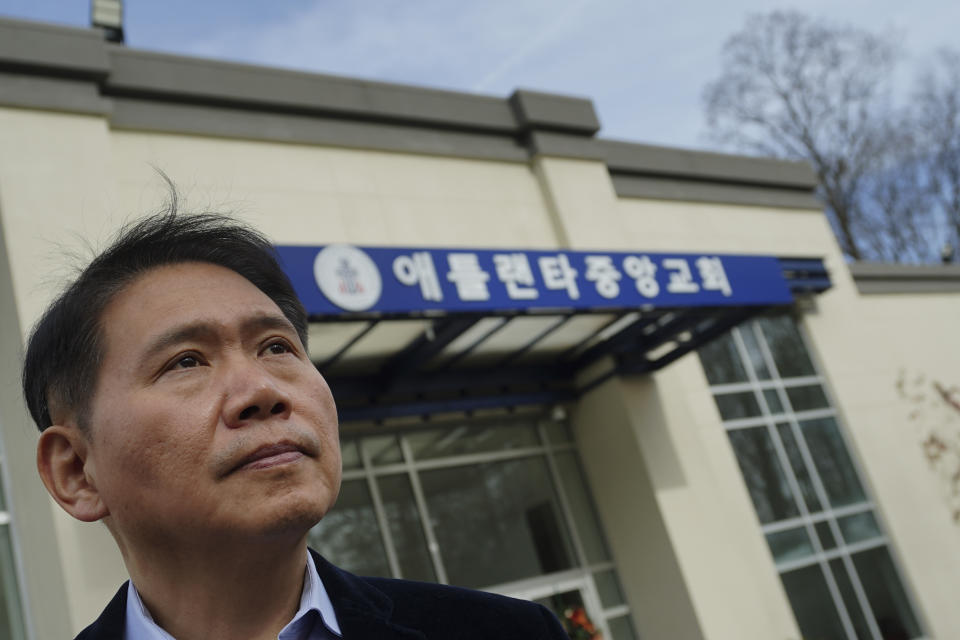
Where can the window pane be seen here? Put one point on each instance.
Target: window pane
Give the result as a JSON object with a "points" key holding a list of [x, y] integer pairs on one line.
{"points": [[792, 544], [799, 469], [854, 609], [382, 450], [859, 527], [721, 362], [497, 522], [460, 440], [622, 628], [609, 588], [406, 529], [827, 540], [753, 349], [558, 432], [807, 398], [773, 400], [11, 622], [812, 605], [737, 405], [885, 594], [350, 455], [833, 463], [786, 346], [349, 535], [765, 479], [581, 505]]}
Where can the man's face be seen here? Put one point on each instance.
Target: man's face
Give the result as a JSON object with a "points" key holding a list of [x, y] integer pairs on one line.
{"points": [[209, 421]]}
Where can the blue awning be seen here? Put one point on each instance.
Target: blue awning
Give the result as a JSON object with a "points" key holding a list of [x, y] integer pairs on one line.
{"points": [[408, 331]]}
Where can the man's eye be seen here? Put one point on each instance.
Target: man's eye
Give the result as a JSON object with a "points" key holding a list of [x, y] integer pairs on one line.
{"points": [[278, 348], [186, 362]]}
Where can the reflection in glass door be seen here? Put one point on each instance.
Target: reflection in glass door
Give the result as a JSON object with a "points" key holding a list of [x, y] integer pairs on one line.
{"points": [[573, 600]]}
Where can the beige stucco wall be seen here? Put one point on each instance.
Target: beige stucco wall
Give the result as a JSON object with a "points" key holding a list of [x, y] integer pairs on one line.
{"points": [[302, 194], [691, 557]]}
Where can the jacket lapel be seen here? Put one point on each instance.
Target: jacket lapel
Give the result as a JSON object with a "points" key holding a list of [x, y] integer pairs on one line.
{"points": [[363, 611], [111, 623]]}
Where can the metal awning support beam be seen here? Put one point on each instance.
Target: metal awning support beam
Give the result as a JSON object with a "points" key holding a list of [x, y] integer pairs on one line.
{"points": [[510, 357], [618, 342], [329, 362], [467, 404], [360, 387], [640, 363], [428, 345]]}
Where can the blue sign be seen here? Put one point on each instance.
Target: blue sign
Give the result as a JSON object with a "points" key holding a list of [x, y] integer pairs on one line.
{"points": [[339, 278]]}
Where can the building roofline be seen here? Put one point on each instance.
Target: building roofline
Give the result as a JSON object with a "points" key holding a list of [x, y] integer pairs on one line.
{"points": [[75, 70], [652, 160]]}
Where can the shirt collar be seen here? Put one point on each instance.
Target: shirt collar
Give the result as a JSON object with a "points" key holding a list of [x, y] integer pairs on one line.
{"points": [[139, 624], [314, 598]]}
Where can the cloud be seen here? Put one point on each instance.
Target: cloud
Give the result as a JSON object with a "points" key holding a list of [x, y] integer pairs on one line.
{"points": [[555, 26]]}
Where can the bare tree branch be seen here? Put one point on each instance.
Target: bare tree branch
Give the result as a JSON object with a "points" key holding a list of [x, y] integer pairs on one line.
{"points": [[937, 102], [799, 88]]}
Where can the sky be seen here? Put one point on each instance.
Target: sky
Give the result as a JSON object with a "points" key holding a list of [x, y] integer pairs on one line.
{"points": [[643, 63]]}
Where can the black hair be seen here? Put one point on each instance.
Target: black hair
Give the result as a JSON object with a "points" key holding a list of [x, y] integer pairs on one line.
{"points": [[65, 349]]}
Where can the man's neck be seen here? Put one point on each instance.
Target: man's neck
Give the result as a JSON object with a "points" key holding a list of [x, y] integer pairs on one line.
{"points": [[241, 592]]}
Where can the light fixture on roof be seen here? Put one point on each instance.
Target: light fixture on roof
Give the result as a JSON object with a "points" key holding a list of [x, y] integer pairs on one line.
{"points": [[108, 15]]}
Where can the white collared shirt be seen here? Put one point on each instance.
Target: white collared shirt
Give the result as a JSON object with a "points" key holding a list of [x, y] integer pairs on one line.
{"points": [[314, 620]]}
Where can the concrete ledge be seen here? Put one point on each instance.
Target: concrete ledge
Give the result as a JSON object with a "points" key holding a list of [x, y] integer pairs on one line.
{"points": [[549, 143], [536, 110], [642, 159], [148, 74], [145, 115], [691, 190], [52, 49], [57, 94], [872, 278]]}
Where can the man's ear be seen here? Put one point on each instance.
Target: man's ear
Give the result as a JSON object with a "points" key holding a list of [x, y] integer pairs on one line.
{"points": [[62, 463]]}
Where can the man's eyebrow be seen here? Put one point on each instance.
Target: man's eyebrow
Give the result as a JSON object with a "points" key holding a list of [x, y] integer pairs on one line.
{"points": [[193, 332], [257, 323], [207, 332]]}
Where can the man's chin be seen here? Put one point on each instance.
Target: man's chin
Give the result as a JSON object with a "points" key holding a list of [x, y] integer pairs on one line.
{"points": [[285, 518]]}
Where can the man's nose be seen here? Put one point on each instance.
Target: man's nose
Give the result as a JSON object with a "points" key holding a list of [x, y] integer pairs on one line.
{"points": [[253, 395]]}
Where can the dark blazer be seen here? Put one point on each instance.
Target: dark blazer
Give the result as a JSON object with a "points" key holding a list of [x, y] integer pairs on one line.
{"points": [[385, 609]]}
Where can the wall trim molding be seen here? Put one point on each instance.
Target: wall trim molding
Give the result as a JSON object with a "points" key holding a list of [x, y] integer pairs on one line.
{"points": [[879, 278]]}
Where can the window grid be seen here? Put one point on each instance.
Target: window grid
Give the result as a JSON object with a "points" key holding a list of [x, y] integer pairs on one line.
{"points": [[827, 514], [844, 551], [410, 466], [819, 516], [380, 514], [788, 470], [759, 421]]}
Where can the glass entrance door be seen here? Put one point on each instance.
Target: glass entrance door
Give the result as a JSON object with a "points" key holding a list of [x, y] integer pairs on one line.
{"points": [[500, 505]]}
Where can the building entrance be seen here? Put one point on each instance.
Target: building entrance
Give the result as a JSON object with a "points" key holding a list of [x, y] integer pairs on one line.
{"points": [[500, 505]]}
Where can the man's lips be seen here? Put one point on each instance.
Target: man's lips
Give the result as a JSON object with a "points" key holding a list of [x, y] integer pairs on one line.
{"points": [[272, 455]]}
